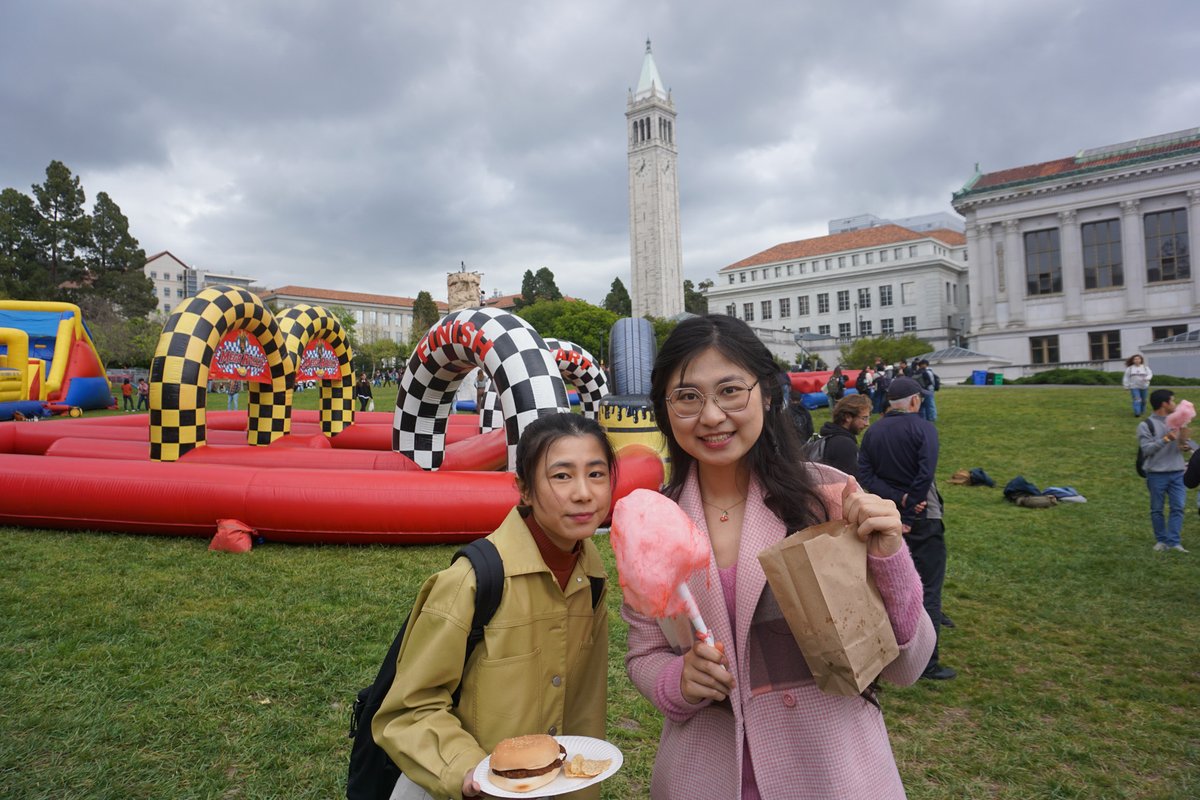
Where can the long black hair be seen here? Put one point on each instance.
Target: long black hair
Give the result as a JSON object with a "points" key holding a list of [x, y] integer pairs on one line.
{"points": [[775, 458], [544, 431]]}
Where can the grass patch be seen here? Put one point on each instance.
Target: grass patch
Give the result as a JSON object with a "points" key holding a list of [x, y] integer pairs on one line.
{"points": [[147, 667]]}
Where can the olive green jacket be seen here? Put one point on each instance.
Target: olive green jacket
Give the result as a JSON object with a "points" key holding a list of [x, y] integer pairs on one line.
{"points": [[541, 668]]}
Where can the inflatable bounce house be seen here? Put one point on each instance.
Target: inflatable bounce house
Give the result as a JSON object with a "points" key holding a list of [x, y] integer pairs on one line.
{"points": [[418, 475], [48, 364]]}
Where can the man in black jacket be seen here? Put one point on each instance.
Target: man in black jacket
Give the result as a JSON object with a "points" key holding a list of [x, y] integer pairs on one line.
{"points": [[898, 460], [839, 448]]}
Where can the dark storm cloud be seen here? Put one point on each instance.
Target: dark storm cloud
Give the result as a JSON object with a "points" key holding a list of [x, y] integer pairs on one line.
{"points": [[374, 145]]}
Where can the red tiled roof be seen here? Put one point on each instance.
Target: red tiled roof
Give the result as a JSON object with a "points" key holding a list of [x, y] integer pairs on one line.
{"points": [[349, 297], [849, 240], [1061, 166]]}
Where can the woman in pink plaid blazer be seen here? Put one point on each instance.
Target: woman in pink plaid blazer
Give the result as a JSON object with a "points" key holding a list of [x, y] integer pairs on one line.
{"points": [[745, 719]]}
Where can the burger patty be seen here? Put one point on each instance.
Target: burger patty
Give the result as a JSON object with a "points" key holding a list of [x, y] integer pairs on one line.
{"points": [[533, 773]]}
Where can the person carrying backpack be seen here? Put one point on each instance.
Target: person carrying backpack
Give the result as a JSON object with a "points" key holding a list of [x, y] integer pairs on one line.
{"points": [[542, 665], [835, 388]]}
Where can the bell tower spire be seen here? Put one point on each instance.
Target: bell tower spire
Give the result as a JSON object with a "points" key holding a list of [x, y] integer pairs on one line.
{"points": [[654, 238]]}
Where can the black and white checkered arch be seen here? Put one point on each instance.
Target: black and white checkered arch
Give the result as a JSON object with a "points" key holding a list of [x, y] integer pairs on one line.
{"points": [[523, 372], [581, 369], [491, 416]]}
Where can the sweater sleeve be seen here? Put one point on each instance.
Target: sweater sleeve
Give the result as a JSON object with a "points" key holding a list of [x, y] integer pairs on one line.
{"points": [[654, 667], [900, 586]]}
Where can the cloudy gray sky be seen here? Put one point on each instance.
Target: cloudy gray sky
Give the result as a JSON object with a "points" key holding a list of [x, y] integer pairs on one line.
{"points": [[372, 146]]}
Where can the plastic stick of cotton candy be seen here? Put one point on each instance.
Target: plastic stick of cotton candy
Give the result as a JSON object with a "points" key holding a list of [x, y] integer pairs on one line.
{"points": [[658, 547], [1182, 416]]}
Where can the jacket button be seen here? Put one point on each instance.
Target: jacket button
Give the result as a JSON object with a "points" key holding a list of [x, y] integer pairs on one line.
{"points": [[557, 681], [788, 700], [553, 730]]}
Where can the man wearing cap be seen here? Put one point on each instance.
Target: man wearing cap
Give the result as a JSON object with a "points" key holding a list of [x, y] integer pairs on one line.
{"points": [[897, 460]]}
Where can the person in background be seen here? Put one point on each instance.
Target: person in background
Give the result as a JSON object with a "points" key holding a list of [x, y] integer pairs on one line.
{"points": [[924, 376], [800, 415], [127, 395], [143, 393], [851, 416], [747, 720], [1163, 449], [362, 390], [835, 387], [542, 666], [866, 385], [233, 388], [898, 461], [1137, 381], [481, 387]]}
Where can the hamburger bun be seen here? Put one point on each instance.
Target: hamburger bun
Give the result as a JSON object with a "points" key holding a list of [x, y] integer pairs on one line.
{"points": [[525, 763]]}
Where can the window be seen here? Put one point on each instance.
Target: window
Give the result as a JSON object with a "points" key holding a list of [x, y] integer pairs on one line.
{"points": [[828, 264], [823, 330], [823, 303], [1104, 345], [790, 270], [731, 310], [748, 312], [843, 330], [887, 327], [864, 298], [864, 328], [785, 307], [883, 255], [870, 258], [1043, 265], [766, 309], [956, 294], [179, 292], [741, 277], [1164, 331], [908, 293], [166, 291], [910, 324], [854, 260], [777, 269], [1102, 254], [804, 329], [841, 262], [843, 298], [1167, 246], [912, 251], [1043, 349], [153, 275], [754, 275], [947, 292], [802, 306], [898, 253], [885, 296], [179, 277], [730, 279], [166, 307], [765, 274]]}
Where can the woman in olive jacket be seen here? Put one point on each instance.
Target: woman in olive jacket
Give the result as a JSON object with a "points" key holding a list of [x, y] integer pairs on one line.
{"points": [[543, 663]]}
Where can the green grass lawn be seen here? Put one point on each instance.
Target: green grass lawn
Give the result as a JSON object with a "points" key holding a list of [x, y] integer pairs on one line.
{"points": [[147, 667]]}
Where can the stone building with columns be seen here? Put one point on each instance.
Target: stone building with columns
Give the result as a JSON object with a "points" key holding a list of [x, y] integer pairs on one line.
{"points": [[1086, 259]]}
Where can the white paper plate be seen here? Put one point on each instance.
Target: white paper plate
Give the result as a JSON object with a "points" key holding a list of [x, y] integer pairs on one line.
{"points": [[583, 745]]}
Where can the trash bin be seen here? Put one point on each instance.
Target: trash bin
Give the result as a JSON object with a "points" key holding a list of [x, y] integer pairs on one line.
{"points": [[998, 379], [989, 379], [979, 377]]}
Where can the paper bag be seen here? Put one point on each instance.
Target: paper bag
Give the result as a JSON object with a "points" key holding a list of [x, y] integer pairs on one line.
{"points": [[836, 614]]}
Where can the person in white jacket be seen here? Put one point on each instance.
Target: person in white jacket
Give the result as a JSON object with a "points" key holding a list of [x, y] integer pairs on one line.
{"points": [[1137, 381]]}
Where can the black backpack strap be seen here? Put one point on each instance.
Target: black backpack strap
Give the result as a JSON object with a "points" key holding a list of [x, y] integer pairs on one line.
{"points": [[489, 588]]}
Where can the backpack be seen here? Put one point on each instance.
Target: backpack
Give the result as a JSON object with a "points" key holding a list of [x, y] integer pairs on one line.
{"points": [[373, 774], [1139, 463], [814, 450], [937, 382]]}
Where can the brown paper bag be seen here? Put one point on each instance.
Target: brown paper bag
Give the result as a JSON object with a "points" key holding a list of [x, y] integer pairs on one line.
{"points": [[820, 579]]}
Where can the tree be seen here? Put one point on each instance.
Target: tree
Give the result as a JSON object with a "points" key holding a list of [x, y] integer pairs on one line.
{"points": [[573, 321], [863, 351], [63, 224], [346, 318], [696, 302], [617, 300], [536, 287], [662, 329], [115, 260], [22, 275], [425, 315]]}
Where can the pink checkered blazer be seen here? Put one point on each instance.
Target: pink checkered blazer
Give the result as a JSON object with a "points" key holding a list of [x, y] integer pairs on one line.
{"points": [[803, 743]]}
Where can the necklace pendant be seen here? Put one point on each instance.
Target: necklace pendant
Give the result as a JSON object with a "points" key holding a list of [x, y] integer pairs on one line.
{"points": [[724, 516]]}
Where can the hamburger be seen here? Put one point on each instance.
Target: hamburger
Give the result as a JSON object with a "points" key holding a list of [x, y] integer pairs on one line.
{"points": [[525, 763]]}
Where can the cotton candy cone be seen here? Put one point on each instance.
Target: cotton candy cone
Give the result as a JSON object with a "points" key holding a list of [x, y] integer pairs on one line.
{"points": [[1182, 416], [657, 547]]}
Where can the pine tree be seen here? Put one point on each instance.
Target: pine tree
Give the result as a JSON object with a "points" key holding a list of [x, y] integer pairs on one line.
{"points": [[63, 224], [617, 300]]}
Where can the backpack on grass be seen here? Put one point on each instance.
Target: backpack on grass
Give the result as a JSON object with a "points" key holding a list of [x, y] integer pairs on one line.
{"points": [[373, 774]]}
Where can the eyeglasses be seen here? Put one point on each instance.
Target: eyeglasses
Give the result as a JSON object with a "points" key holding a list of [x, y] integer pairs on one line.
{"points": [[730, 397]]}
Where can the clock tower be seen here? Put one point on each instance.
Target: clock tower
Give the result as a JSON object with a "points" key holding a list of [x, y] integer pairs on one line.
{"points": [[654, 242]]}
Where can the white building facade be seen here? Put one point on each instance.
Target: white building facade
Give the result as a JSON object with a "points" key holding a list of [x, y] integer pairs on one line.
{"points": [[816, 295], [654, 237], [1084, 260], [174, 281]]}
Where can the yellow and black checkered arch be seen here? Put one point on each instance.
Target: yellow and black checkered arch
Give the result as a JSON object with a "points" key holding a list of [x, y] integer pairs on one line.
{"points": [[179, 372], [301, 325]]}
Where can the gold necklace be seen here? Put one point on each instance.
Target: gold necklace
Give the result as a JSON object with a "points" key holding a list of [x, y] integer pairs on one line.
{"points": [[724, 511]]}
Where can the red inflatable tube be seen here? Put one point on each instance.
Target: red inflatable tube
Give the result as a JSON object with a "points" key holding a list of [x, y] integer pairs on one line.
{"points": [[284, 505]]}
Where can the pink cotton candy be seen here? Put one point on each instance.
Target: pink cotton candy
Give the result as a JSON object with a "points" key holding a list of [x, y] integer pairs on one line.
{"points": [[658, 547], [1182, 416]]}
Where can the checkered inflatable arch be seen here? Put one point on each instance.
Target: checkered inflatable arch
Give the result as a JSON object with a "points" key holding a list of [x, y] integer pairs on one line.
{"points": [[581, 369], [523, 372], [179, 371], [301, 325]]}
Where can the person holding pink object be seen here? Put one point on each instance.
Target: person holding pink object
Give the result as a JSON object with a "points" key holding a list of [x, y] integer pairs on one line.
{"points": [[743, 715]]}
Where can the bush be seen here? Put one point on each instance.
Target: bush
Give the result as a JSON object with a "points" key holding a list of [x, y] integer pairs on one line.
{"points": [[1094, 377]]}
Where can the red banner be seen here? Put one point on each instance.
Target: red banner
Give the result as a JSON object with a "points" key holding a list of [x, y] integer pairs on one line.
{"points": [[239, 356], [318, 362]]}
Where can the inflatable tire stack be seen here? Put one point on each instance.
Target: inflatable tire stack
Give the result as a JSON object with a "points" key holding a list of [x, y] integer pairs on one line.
{"points": [[627, 416]]}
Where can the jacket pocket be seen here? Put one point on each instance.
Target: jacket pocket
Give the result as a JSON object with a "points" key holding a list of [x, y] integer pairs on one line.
{"points": [[503, 690]]}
